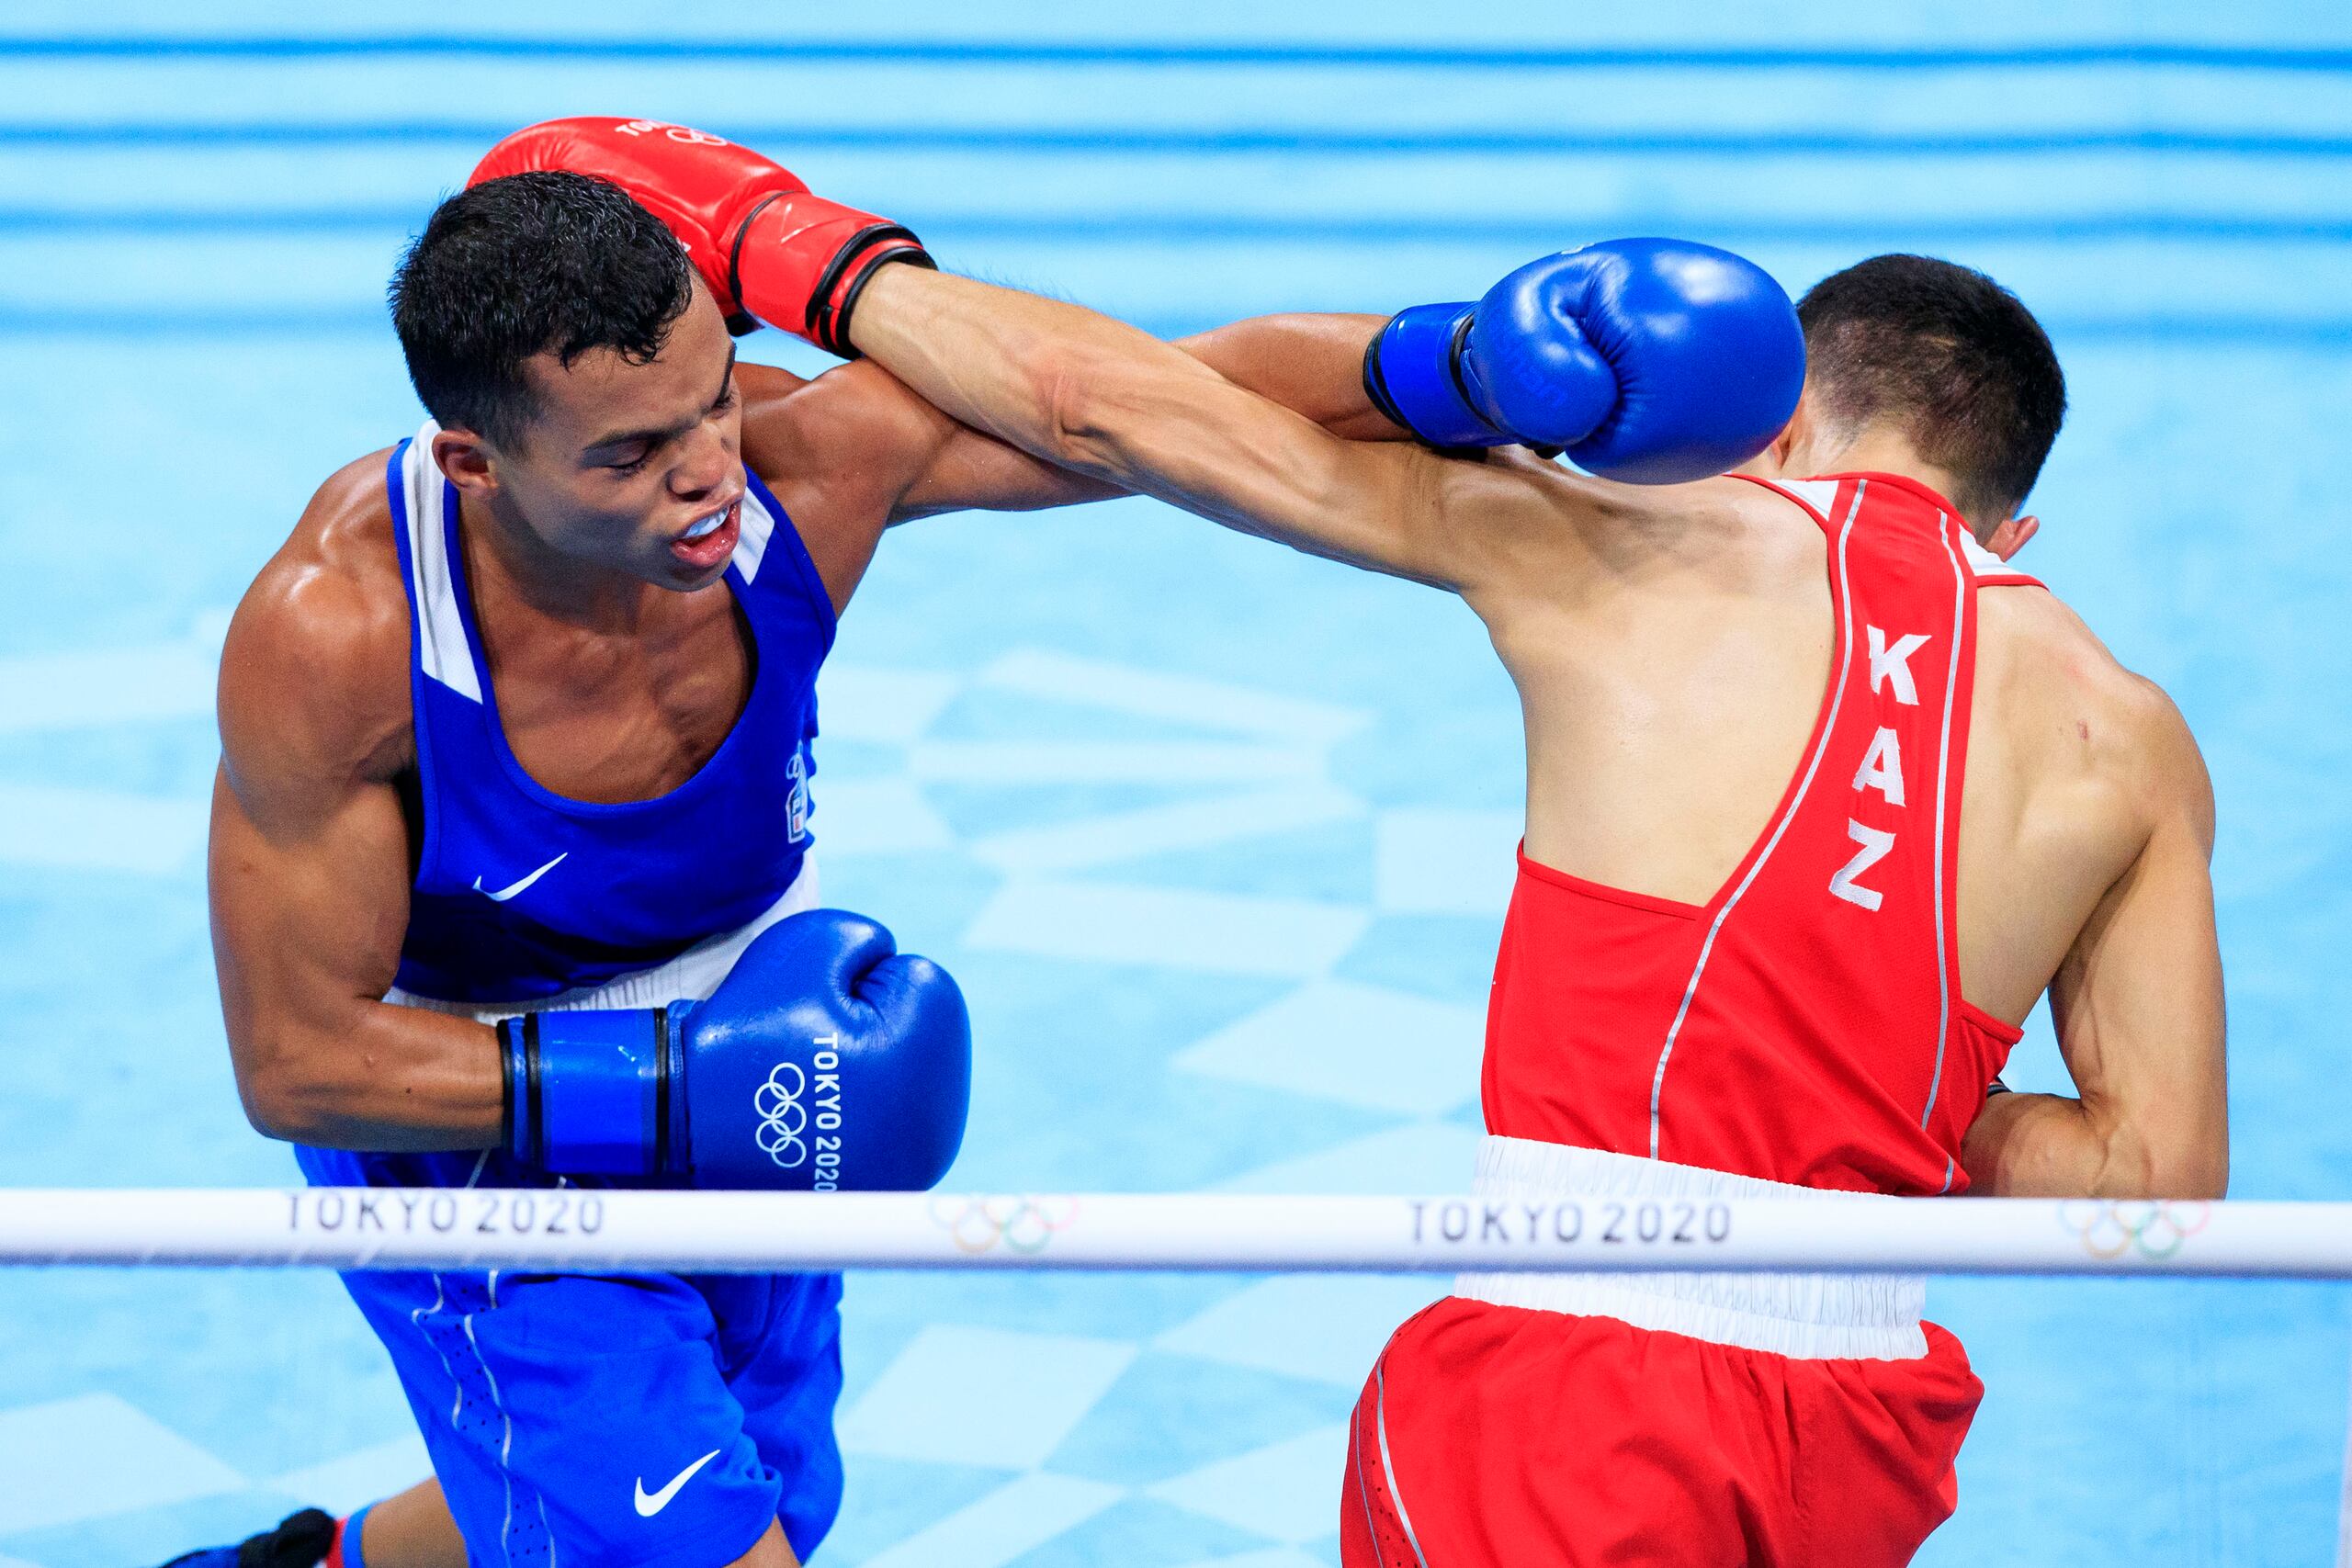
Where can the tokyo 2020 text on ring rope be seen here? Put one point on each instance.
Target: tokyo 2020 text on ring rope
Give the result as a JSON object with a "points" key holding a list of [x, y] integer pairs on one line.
{"points": [[571, 1228]]}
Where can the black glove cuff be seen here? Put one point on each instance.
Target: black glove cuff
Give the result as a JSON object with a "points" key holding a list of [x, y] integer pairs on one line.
{"points": [[521, 1127], [869, 251], [1376, 381]]}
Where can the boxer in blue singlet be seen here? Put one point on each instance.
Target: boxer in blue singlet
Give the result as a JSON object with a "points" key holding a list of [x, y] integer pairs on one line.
{"points": [[511, 866]]}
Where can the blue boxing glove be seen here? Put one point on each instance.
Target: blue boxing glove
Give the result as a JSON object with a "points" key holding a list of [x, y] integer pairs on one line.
{"points": [[825, 1059], [1649, 361]]}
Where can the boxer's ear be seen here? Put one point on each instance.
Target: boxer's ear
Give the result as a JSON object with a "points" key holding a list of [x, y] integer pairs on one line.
{"points": [[465, 460], [2012, 534], [1775, 458]]}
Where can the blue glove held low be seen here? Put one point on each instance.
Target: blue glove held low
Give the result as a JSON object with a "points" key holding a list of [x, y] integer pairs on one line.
{"points": [[825, 1059]]}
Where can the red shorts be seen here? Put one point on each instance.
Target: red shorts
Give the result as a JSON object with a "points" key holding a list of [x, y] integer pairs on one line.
{"points": [[1502, 1435]]}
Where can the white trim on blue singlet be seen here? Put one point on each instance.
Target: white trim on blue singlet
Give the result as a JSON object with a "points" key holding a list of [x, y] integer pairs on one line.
{"points": [[441, 650], [756, 526]]}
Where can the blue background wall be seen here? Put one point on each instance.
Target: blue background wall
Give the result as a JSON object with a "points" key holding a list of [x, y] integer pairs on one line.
{"points": [[1217, 837]]}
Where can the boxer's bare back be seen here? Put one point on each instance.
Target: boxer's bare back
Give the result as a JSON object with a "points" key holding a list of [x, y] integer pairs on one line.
{"points": [[1671, 649]]}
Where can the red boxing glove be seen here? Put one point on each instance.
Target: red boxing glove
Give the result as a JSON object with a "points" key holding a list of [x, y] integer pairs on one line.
{"points": [[769, 250]]}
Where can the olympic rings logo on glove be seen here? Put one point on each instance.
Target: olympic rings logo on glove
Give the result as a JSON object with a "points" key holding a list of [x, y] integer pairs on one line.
{"points": [[2153, 1229], [682, 133], [1019, 1225], [782, 1116]]}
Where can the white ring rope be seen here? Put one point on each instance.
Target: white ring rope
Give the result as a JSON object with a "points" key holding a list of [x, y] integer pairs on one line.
{"points": [[760, 1233]]}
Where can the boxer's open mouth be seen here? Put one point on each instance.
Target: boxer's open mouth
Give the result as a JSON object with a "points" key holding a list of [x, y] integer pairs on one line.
{"points": [[712, 539]]}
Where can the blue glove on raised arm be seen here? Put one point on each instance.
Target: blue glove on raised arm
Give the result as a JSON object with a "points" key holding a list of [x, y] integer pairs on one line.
{"points": [[1650, 361], [825, 1059]]}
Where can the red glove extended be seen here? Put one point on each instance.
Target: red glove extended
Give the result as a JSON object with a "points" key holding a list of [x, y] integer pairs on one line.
{"points": [[768, 249]]}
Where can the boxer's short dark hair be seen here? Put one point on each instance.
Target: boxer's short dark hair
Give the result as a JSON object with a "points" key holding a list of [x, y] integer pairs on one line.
{"points": [[1949, 356], [540, 263]]}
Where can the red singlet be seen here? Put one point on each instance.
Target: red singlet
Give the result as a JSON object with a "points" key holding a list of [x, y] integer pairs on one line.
{"points": [[1805, 1027]]}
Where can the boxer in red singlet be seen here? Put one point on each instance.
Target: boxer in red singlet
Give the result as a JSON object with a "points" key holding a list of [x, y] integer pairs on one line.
{"points": [[1822, 797]]}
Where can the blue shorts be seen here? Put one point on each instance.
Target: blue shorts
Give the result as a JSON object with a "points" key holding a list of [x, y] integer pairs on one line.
{"points": [[651, 1421]]}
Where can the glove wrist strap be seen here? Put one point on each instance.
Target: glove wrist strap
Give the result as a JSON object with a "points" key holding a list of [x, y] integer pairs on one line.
{"points": [[1412, 373], [592, 1093], [846, 276], [809, 262]]}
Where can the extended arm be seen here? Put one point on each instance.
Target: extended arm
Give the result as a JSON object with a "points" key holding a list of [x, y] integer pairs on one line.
{"points": [[2139, 1010], [1648, 360], [1103, 399], [1311, 365]]}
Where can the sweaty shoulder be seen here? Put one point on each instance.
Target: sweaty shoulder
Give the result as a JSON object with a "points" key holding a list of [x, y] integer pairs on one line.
{"points": [[855, 428], [315, 695], [2073, 710], [839, 451]]}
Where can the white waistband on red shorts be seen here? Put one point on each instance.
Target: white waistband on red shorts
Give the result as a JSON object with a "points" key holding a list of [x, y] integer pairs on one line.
{"points": [[1812, 1316]]}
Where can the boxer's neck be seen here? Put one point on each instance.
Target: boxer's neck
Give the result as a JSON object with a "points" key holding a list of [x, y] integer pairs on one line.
{"points": [[1809, 448], [507, 562], [1882, 452]]}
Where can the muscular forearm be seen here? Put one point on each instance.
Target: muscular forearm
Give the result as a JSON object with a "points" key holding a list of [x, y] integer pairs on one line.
{"points": [[1006, 362], [1312, 365], [381, 1078], [2049, 1145], [1308, 363]]}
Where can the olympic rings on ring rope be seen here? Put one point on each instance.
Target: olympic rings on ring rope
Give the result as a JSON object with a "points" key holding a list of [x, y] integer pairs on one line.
{"points": [[2152, 1229], [979, 1224]]}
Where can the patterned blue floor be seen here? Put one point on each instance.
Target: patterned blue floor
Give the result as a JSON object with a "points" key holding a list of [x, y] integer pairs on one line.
{"points": [[1216, 836]]}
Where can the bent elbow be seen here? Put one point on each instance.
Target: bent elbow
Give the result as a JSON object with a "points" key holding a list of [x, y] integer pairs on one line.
{"points": [[274, 1114], [283, 1101], [2203, 1177], [2177, 1174], [2192, 1166]]}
